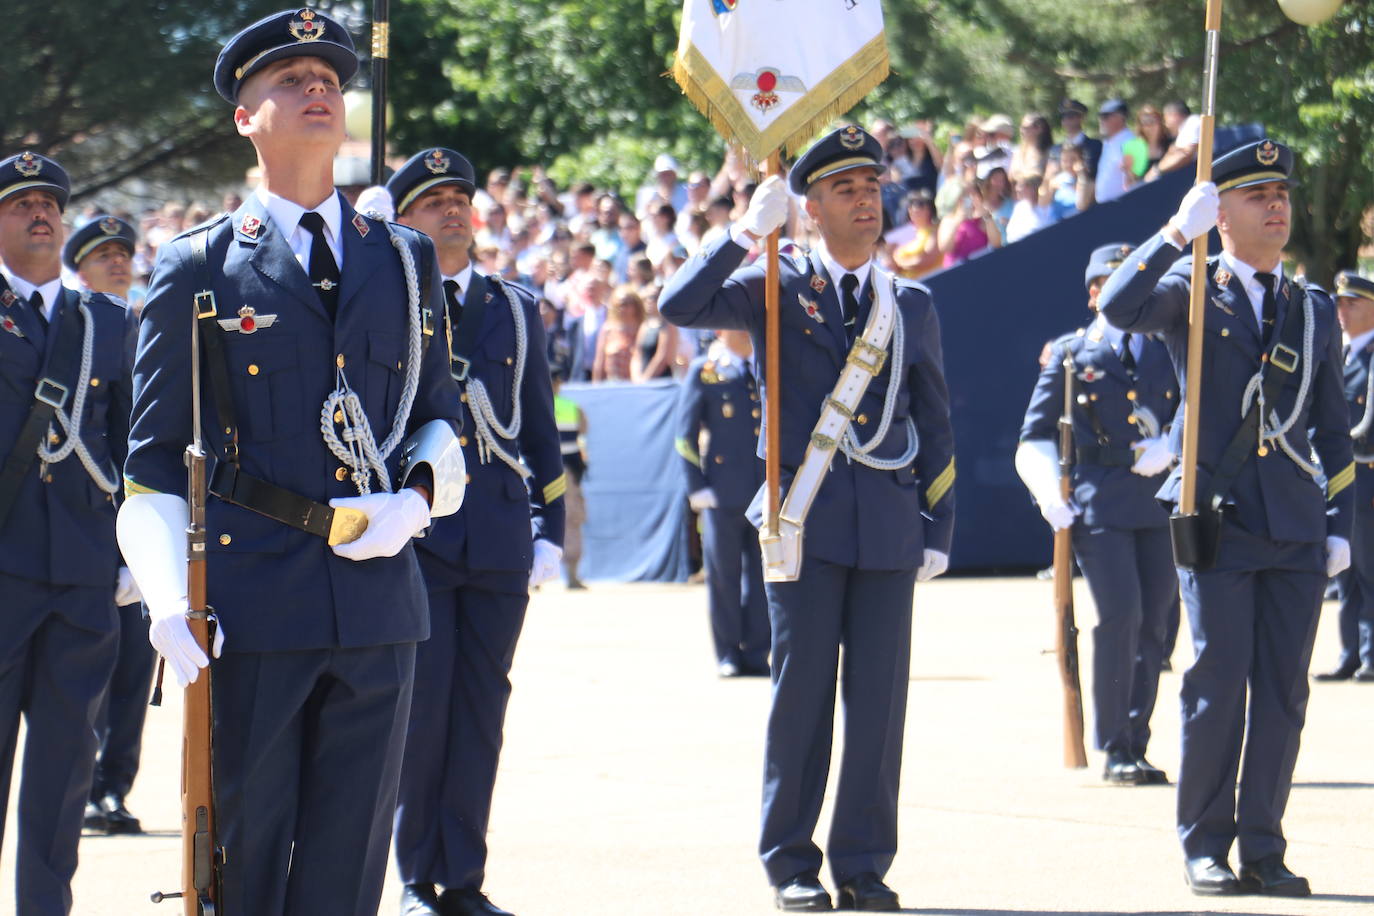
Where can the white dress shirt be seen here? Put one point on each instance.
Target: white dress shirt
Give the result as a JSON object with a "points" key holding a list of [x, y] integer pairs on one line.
{"points": [[463, 278], [1254, 289], [24, 290], [286, 216]]}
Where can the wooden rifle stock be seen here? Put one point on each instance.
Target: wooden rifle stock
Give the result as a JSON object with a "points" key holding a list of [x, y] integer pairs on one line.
{"points": [[1066, 633]]}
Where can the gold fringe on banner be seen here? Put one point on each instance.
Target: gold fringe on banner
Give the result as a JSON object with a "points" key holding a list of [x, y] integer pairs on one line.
{"points": [[845, 87]]}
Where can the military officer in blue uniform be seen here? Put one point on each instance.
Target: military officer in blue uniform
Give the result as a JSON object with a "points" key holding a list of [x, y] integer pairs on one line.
{"points": [[320, 368], [480, 563], [1355, 309], [862, 375], [65, 361], [1125, 403], [100, 253], [720, 397], [1273, 524]]}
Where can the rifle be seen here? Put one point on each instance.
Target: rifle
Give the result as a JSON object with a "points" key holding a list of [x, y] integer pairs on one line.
{"points": [[201, 859], [1066, 641]]}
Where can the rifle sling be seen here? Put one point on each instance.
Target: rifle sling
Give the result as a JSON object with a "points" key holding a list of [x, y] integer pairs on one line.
{"points": [[62, 363]]}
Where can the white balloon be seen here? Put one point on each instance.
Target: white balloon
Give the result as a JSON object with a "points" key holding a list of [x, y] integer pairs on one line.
{"points": [[1309, 12]]}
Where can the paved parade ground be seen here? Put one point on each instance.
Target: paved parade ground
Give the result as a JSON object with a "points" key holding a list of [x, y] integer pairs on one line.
{"points": [[630, 777]]}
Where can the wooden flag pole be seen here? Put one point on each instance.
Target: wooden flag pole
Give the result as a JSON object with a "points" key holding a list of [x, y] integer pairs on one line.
{"points": [[772, 375], [1187, 503]]}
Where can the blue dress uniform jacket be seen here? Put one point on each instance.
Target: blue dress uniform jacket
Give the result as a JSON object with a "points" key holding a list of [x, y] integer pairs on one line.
{"points": [[864, 541], [61, 528], [58, 563], [1357, 583], [1253, 613], [725, 401], [861, 517], [1121, 539], [280, 376], [476, 565], [506, 509], [1272, 497]]}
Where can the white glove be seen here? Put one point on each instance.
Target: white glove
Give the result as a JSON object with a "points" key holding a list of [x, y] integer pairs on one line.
{"points": [[705, 498], [1337, 555], [392, 520], [1198, 211], [126, 589], [1059, 514], [547, 557], [767, 208], [1155, 456], [151, 529], [935, 563]]}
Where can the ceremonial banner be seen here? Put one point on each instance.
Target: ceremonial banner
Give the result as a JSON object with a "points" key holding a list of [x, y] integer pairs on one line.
{"points": [[769, 74]]}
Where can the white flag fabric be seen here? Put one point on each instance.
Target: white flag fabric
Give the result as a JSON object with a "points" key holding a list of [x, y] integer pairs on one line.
{"points": [[769, 74]]}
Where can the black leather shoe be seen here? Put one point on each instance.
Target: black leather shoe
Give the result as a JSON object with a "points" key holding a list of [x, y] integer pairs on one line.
{"points": [[465, 901], [95, 818], [1209, 876], [754, 669], [1365, 675], [1271, 877], [1150, 775], [728, 669], [419, 900], [117, 817], [802, 893], [867, 892], [1341, 673], [1122, 769]]}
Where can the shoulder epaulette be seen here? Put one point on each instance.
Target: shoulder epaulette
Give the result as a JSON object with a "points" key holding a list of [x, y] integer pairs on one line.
{"points": [[210, 223]]}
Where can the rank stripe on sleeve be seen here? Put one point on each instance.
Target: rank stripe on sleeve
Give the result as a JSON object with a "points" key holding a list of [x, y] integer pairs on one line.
{"points": [[1340, 481], [556, 488], [134, 488], [684, 448], [940, 485]]}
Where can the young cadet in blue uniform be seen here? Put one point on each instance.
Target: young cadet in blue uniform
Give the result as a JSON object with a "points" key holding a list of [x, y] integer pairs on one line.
{"points": [[1252, 606], [1126, 398], [65, 360], [101, 254], [314, 359], [720, 395], [480, 563], [881, 512], [1355, 309]]}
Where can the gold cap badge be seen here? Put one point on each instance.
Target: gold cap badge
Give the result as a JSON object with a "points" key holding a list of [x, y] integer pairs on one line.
{"points": [[437, 162], [1267, 153], [304, 27], [28, 165]]}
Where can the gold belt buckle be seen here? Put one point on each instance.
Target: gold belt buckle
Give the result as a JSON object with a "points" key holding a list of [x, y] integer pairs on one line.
{"points": [[1286, 358], [867, 357], [346, 526]]}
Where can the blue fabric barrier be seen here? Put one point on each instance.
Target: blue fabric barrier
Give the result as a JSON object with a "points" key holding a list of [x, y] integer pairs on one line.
{"points": [[635, 490]]}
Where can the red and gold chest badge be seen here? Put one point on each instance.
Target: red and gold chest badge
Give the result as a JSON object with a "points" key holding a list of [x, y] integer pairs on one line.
{"points": [[7, 324], [248, 321], [250, 226], [361, 225], [818, 284], [1222, 277], [812, 309], [1091, 374]]}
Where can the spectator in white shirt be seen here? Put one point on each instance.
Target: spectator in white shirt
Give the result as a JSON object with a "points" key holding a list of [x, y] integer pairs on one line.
{"points": [[1111, 169], [1187, 130]]}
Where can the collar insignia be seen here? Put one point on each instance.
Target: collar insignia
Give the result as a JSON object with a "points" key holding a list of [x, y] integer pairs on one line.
{"points": [[28, 165], [437, 162], [1267, 153], [851, 138], [812, 309], [818, 284], [304, 27], [248, 321], [1283, 291], [1091, 374], [1222, 277], [489, 298], [8, 298], [1223, 306], [361, 225], [7, 323], [251, 226]]}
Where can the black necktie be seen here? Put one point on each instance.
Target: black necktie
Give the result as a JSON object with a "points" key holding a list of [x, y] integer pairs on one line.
{"points": [[324, 271], [848, 284], [455, 304], [36, 300], [1127, 357], [1270, 309]]}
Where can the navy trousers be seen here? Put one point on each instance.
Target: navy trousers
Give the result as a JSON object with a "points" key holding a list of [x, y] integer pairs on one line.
{"points": [[1254, 620], [1130, 573], [53, 674], [1357, 596], [734, 582], [124, 707], [307, 757], [453, 742], [868, 613]]}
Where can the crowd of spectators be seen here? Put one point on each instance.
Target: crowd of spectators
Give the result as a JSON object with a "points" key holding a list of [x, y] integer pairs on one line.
{"points": [[598, 262]]}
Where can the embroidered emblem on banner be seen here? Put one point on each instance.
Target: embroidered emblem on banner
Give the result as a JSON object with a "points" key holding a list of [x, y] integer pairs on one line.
{"points": [[767, 80]]}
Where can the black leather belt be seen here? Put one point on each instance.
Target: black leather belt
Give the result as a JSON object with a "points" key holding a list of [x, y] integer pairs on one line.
{"points": [[1106, 457], [337, 526]]}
